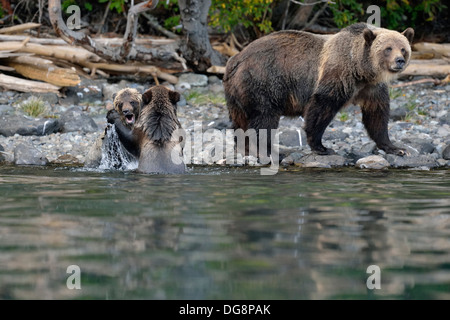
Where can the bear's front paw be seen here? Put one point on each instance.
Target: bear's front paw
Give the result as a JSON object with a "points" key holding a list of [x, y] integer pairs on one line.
{"points": [[397, 151], [323, 151], [112, 116]]}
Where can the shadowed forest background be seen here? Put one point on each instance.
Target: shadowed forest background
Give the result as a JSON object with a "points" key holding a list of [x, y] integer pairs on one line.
{"points": [[233, 23]]}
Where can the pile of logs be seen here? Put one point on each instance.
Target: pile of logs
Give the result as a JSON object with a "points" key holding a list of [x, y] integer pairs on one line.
{"points": [[57, 64]]}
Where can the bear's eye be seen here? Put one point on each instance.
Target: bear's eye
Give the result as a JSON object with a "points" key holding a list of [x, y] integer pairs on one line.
{"points": [[388, 50], [403, 51], [119, 106]]}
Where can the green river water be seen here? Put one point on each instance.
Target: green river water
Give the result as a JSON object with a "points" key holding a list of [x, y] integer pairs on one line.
{"points": [[224, 233]]}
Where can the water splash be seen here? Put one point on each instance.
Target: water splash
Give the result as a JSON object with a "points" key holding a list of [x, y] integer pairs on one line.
{"points": [[114, 155]]}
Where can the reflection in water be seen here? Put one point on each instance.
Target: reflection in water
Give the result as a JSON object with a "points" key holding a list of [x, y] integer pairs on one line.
{"points": [[216, 234]]}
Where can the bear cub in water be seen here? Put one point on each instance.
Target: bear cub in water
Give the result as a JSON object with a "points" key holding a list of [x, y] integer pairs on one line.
{"points": [[150, 139], [127, 103]]}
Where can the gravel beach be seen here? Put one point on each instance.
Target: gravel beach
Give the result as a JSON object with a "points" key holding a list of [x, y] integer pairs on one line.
{"points": [[69, 125]]}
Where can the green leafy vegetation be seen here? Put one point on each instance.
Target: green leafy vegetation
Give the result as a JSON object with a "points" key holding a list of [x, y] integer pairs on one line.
{"points": [[347, 12], [198, 98], [394, 93], [255, 14], [118, 5], [34, 107], [395, 14], [343, 116]]}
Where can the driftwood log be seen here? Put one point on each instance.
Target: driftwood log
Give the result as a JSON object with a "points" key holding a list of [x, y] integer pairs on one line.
{"points": [[17, 84], [41, 69]]}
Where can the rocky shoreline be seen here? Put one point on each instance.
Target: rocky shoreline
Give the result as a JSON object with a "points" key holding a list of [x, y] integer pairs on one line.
{"points": [[67, 126]]}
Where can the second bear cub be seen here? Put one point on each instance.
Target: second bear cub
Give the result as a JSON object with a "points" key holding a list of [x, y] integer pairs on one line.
{"points": [[150, 140]]}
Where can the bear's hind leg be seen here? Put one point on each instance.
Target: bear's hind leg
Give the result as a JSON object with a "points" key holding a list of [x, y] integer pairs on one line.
{"points": [[265, 126], [319, 113]]}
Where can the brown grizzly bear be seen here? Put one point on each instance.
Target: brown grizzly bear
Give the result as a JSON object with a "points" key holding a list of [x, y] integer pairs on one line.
{"points": [[151, 140], [127, 102], [295, 73]]}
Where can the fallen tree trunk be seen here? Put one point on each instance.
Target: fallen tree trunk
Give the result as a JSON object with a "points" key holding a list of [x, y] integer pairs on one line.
{"points": [[41, 69], [22, 85], [423, 69], [442, 49], [72, 54], [86, 59]]}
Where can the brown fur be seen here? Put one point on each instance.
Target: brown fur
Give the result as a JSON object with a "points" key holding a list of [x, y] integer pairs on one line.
{"points": [[296, 73], [127, 102], [151, 139]]}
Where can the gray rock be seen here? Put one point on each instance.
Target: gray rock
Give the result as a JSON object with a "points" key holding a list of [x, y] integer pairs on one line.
{"points": [[25, 154], [443, 162], [318, 161], [398, 114], [108, 90], [6, 109], [403, 125], [421, 146], [292, 159], [216, 88], [182, 86], [214, 80], [446, 153], [48, 97], [86, 91], [293, 123], [26, 126], [443, 131], [195, 80], [445, 119], [335, 135], [290, 138], [75, 119], [219, 124], [412, 161], [182, 101], [372, 162]]}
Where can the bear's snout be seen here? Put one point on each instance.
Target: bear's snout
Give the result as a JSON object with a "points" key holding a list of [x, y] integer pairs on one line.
{"points": [[400, 61], [129, 116]]}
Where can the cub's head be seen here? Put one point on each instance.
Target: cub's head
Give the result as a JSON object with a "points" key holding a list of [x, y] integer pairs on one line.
{"points": [[160, 99], [127, 102], [159, 113], [390, 51]]}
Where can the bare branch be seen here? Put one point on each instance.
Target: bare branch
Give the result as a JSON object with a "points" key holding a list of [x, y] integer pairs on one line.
{"points": [[132, 23], [122, 54]]}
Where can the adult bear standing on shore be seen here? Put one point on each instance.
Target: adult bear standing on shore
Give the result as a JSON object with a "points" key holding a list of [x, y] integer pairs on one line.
{"points": [[295, 73]]}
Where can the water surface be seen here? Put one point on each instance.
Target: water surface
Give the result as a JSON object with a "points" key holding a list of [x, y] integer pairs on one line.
{"points": [[224, 233]]}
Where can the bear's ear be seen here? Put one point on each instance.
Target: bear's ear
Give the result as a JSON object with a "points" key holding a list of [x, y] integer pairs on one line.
{"points": [[369, 36], [146, 97], [409, 34], [114, 96], [174, 97]]}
